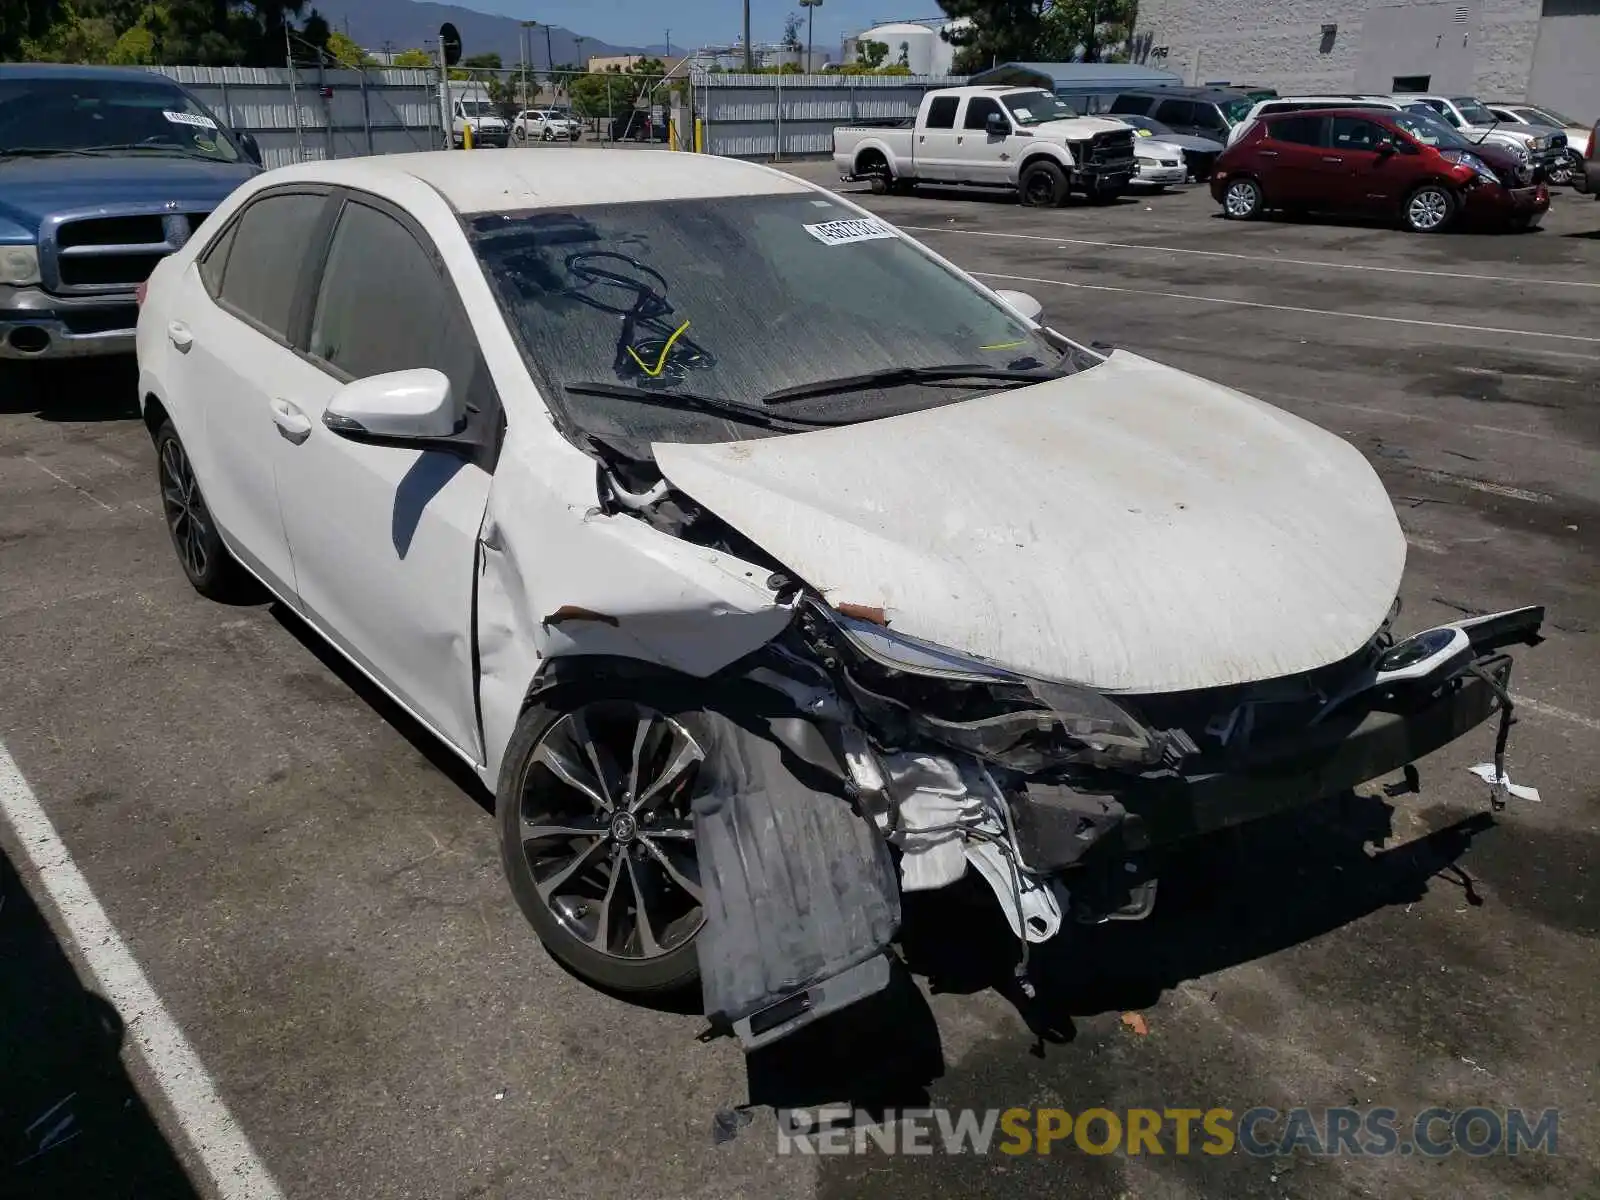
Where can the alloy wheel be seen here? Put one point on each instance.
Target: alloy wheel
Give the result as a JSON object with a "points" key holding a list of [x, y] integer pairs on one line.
{"points": [[187, 518], [1428, 209], [1562, 171], [1242, 198], [606, 828]]}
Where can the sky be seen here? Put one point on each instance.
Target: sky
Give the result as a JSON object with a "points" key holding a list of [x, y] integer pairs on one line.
{"points": [[698, 22]]}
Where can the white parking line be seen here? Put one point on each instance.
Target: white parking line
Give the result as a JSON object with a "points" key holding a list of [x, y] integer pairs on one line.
{"points": [[1266, 258], [217, 1140], [1560, 714], [1295, 308]]}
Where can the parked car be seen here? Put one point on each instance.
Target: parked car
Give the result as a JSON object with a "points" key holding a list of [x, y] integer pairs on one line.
{"points": [[1025, 139], [102, 172], [1547, 120], [1587, 181], [546, 125], [636, 487], [1371, 161], [472, 108], [1282, 104], [1198, 152], [1545, 149], [1160, 164], [638, 125], [1199, 112]]}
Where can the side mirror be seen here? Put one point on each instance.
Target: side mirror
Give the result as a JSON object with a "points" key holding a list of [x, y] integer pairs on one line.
{"points": [[1386, 148], [1024, 305], [400, 408], [997, 126], [247, 143]]}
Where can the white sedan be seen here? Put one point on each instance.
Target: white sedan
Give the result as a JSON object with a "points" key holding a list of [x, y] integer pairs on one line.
{"points": [[735, 538], [1160, 164]]}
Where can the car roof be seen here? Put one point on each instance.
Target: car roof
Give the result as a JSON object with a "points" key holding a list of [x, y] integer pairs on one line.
{"points": [[507, 181], [1187, 93], [1333, 110], [80, 71]]}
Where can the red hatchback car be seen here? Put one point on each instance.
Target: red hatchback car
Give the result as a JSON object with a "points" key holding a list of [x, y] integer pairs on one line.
{"points": [[1374, 162]]}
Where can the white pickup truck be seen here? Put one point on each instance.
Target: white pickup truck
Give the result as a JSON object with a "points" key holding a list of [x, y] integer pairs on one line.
{"points": [[1001, 137]]}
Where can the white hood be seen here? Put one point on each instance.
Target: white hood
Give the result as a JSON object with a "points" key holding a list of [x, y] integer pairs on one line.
{"points": [[1131, 527], [1077, 128]]}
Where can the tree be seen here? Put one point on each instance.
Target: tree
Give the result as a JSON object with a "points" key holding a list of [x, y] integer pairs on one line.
{"points": [[871, 54], [791, 32], [412, 58], [344, 51], [997, 31], [1087, 27], [905, 55]]}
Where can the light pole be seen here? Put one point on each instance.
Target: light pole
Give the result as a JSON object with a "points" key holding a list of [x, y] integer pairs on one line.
{"points": [[811, 7], [749, 52], [526, 36]]}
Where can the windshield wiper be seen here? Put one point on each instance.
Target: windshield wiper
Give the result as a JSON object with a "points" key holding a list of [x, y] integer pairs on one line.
{"points": [[39, 151], [891, 376], [695, 402]]}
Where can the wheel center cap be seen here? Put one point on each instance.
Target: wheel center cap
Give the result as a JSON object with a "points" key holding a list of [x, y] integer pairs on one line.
{"points": [[624, 826]]}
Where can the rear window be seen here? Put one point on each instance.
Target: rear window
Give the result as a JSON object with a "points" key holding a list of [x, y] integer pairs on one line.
{"points": [[942, 113], [1131, 104]]}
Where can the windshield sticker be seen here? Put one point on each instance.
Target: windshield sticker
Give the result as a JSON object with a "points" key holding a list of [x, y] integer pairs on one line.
{"points": [[1022, 114], [182, 118], [843, 233]]}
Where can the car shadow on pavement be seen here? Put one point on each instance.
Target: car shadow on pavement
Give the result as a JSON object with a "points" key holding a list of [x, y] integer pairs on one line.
{"points": [[101, 389], [71, 1122]]}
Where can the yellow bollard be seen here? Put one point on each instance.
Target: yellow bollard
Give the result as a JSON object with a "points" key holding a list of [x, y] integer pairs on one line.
{"points": [[466, 136], [699, 137], [672, 136]]}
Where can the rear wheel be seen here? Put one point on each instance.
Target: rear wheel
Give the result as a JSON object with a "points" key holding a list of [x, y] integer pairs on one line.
{"points": [[1243, 201], [1564, 169], [1430, 208], [210, 567], [1042, 185]]}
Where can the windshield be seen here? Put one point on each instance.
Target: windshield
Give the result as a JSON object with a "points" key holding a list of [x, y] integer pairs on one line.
{"points": [[1430, 130], [477, 108], [1144, 125], [1474, 113], [88, 115], [731, 300], [1236, 110], [1550, 117], [1035, 108]]}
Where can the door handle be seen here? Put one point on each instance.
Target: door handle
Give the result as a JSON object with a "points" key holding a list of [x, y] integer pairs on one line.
{"points": [[1267, 153], [293, 424], [958, 141], [178, 334], [1331, 159]]}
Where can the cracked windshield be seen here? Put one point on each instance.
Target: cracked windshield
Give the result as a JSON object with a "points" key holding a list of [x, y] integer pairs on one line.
{"points": [[776, 310]]}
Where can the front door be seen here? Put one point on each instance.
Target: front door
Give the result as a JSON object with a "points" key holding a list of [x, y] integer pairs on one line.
{"points": [[385, 539], [985, 157], [935, 149], [240, 303], [1364, 166]]}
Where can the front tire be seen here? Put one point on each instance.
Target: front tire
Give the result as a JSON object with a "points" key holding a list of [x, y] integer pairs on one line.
{"points": [[1563, 171], [597, 833], [209, 565], [1243, 200], [1042, 185], [1430, 208]]}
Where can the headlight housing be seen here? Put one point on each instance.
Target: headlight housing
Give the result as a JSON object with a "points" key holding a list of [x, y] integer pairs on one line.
{"points": [[1481, 168], [19, 265], [910, 690]]}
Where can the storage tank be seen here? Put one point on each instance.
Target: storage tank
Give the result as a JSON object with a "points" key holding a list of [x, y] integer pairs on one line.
{"points": [[919, 41]]}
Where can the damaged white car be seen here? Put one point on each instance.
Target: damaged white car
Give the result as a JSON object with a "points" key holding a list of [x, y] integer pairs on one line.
{"points": [[768, 565]]}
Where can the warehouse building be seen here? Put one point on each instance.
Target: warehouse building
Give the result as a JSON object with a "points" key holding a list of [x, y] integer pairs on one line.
{"points": [[1543, 51]]}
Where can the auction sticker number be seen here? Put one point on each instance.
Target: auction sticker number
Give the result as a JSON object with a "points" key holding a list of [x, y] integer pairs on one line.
{"points": [[183, 118], [843, 233]]}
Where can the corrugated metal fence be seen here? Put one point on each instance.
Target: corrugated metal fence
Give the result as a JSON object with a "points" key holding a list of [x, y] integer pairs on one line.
{"points": [[306, 113], [303, 114], [792, 116]]}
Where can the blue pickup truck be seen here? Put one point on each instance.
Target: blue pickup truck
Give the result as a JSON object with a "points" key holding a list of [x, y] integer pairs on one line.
{"points": [[102, 172]]}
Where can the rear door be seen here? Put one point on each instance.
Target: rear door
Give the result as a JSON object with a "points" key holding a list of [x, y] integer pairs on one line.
{"points": [[935, 145], [233, 333], [1292, 152]]}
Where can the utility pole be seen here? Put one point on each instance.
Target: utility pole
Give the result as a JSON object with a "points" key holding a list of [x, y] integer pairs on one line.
{"points": [[523, 45], [749, 51], [669, 45], [811, 7]]}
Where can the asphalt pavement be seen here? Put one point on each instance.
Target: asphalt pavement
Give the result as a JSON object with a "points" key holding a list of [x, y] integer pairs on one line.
{"points": [[313, 890]]}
